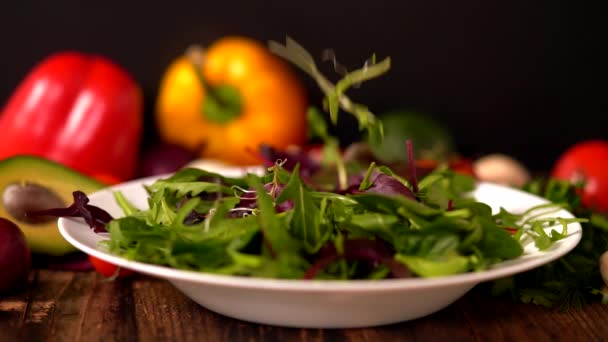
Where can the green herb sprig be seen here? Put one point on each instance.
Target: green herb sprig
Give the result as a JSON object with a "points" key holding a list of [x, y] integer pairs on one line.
{"points": [[574, 279], [335, 93]]}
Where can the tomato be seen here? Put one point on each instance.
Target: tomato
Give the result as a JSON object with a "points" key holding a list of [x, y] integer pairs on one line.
{"points": [[463, 166], [107, 269], [107, 178], [226, 105], [457, 164], [587, 161]]}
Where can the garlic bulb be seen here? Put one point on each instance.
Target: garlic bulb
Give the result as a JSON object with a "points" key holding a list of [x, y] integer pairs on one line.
{"points": [[501, 169], [604, 267]]}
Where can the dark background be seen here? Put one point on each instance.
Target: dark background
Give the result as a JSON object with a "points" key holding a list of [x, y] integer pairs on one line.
{"points": [[512, 77]]}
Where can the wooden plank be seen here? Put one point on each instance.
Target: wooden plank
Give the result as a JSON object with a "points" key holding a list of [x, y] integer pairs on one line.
{"points": [[446, 324], [71, 307], [171, 315], [592, 319], [500, 319], [67, 306], [163, 313], [588, 324], [46, 288], [12, 310], [109, 314]]}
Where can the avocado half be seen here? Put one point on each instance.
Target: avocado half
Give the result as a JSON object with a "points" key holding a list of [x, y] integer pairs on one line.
{"points": [[35, 183]]}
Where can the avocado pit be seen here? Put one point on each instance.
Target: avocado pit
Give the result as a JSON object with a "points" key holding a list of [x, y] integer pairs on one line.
{"points": [[20, 198]]}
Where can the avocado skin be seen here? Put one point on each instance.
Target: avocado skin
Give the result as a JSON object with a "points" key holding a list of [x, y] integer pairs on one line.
{"points": [[430, 138], [44, 238]]}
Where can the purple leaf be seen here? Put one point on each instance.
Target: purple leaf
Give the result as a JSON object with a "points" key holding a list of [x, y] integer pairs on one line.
{"points": [[353, 185], [375, 252], [387, 185], [94, 216], [308, 166], [412, 164], [380, 184]]}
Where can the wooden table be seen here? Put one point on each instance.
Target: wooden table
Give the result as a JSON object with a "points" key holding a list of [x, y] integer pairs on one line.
{"points": [[82, 306]]}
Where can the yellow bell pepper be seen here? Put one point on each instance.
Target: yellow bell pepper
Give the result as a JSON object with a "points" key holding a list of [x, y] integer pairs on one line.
{"points": [[224, 102]]}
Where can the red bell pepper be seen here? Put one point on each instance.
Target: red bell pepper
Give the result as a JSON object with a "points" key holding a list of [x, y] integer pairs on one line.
{"points": [[80, 110]]}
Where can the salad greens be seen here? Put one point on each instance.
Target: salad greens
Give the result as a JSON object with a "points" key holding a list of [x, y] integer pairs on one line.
{"points": [[280, 225]]}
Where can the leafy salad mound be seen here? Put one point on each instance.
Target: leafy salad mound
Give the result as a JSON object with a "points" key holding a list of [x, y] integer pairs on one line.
{"points": [[281, 225]]}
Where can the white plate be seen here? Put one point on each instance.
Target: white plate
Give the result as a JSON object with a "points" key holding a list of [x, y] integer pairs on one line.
{"points": [[322, 304]]}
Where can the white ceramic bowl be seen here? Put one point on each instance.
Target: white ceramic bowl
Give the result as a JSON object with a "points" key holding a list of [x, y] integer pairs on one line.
{"points": [[322, 304]]}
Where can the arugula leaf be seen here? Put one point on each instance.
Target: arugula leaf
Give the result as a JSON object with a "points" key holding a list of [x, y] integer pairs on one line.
{"points": [[160, 211], [275, 233], [316, 124], [305, 221], [335, 97], [442, 186], [183, 212], [127, 207], [188, 188], [187, 175], [373, 224], [387, 171], [390, 204], [446, 265], [496, 242]]}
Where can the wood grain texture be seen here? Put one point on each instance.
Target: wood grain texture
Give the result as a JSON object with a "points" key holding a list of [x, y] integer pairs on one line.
{"points": [[68, 306]]}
